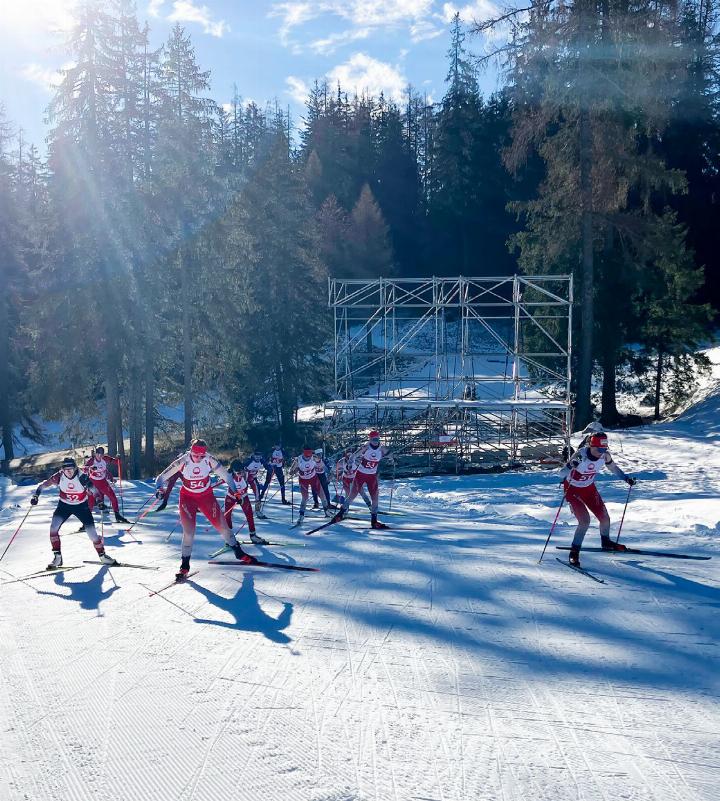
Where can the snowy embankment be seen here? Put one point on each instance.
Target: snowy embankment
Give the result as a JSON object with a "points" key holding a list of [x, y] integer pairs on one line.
{"points": [[437, 660]]}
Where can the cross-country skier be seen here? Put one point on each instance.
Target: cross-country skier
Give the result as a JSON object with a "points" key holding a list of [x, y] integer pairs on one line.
{"points": [[345, 470], [97, 468], [240, 497], [195, 467], [305, 466], [368, 457], [578, 482], [274, 467], [73, 488], [321, 471], [252, 467]]}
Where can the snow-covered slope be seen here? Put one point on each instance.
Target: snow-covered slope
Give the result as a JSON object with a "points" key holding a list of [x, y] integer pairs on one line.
{"points": [[438, 660]]}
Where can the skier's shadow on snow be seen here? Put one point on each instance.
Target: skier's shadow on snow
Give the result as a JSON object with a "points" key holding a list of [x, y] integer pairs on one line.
{"points": [[89, 594], [249, 615], [680, 584]]}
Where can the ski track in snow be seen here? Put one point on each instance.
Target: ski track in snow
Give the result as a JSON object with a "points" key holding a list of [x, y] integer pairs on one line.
{"points": [[437, 662]]}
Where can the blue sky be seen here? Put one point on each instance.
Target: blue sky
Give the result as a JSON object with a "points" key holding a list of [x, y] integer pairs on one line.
{"points": [[271, 50]]}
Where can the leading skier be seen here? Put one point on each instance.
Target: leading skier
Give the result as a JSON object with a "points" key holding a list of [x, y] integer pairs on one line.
{"points": [[578, 481], [195, 467]]}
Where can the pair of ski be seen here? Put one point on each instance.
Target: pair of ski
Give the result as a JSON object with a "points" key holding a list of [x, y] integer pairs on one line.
{"points": [[627, 551], [236, 563], [226, 548], [49, 571]]}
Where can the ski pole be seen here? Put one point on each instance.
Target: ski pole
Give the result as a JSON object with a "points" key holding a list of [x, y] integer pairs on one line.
{"points": [[146, 512], [292, 498], [552, 528], [17, 531], [622, 519]]}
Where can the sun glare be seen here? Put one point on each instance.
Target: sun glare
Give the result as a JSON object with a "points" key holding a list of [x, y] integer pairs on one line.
{"points": [[35, 16]]}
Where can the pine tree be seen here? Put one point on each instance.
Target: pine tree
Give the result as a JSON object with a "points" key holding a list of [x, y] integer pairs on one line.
{"points": [[369, 250]]}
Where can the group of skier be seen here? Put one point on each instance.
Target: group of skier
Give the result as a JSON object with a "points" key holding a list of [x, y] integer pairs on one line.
{"points": [[81, 490]]}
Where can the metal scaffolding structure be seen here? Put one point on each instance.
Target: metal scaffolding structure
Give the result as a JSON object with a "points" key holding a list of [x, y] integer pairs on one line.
{"points": [[458, 373]]}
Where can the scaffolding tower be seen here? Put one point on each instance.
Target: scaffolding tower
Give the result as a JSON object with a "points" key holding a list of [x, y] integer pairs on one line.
{"points": [[457, 373]]}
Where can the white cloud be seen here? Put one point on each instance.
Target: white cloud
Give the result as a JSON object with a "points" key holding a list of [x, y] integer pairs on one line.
{"points": [[422, 30], [479, 11], [364, 74], [297, 89], [363, 14], [46, 77], [187, 11], [154, 7], [331, 43]]}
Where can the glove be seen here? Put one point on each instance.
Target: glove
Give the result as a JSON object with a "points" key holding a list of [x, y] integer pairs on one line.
{"points": [[160, 493], [33, 500], [84, 479], [631, 481]]}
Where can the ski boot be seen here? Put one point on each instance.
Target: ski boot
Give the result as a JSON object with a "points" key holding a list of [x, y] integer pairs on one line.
{"points": [[339, 515], [256, 539], [182, 574], [375, 523], [609, 545], [101, 506], [316, 505], [574, 556], [285, 502], [243, 557], [120, 519], [106, 559], [56, 561]]}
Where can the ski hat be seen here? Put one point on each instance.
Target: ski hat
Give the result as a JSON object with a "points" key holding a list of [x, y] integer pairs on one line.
{"points": [[100, 450], [236, 466], [307, 450], [374, 436], [594, 428], [198, 447], [318, 452], [67, 462], [599, 441]]}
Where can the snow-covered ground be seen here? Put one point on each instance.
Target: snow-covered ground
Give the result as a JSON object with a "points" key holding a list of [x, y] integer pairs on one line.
{"points": [[437, 660]]}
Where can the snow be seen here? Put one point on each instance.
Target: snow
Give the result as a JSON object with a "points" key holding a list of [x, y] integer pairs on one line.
{"points": [[437, 660]]}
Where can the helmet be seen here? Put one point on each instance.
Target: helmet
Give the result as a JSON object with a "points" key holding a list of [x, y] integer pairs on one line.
{"points": [[100, 450], [198, 447], [236, 466], [599, 441], [67, 462]]}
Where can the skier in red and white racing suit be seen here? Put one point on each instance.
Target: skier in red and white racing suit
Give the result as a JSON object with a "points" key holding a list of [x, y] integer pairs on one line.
{"points": [[196, 495], [368, 458], [578, 481]]}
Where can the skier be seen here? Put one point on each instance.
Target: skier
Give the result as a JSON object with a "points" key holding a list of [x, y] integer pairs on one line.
{"points": [[369, 457], [305, 466], [274, 467], [252, 467], [345, 470], [195, 467], [578, 482], [321, 471], [101, 479], [73, 489], [240, 497]]}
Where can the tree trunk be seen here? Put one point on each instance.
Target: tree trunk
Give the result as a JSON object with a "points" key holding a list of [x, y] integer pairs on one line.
{"points": [[187, 346], [149, 415], [5, 421], [609, 395], [583, 412], [110, 406], [135, 421], [658, 383]]}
